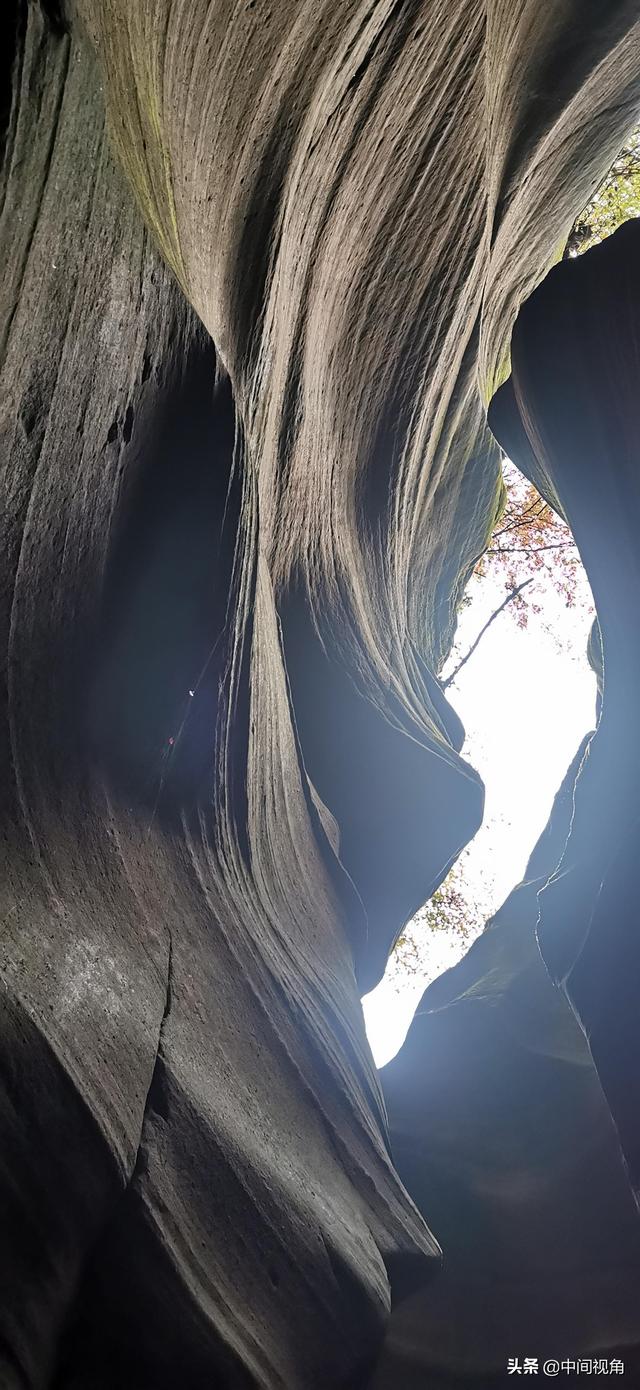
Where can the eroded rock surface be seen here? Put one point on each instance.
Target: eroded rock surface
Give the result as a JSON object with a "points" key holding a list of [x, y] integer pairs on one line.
{"points": [[576, 432], [500, 1130], [260, 267]]}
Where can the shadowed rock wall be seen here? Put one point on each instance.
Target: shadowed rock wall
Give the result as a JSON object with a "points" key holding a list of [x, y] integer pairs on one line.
{"points": [[354, 200], [203, 1098], [500, 1130], [573, 426]]}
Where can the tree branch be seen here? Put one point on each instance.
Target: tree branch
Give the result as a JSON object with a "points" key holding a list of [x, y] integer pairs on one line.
{"points": [[528, 517], [529, 549], [513, 593]]}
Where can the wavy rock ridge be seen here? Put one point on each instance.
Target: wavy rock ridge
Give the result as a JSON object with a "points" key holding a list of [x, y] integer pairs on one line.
{"points": [[243, 393]]}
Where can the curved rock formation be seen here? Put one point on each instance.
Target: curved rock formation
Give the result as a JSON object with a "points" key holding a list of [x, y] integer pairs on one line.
{"points": [[502, 1134], [273, 505], [576, 434]]}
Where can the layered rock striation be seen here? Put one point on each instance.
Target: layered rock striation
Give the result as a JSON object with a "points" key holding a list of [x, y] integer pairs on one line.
{"points": [[260, 269]]}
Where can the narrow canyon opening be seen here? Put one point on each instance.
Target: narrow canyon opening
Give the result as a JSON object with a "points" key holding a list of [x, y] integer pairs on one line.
{"points": [[526, 698]]}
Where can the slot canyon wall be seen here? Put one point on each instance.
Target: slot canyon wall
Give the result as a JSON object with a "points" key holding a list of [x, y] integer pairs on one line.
{"points": [[261, 269]]}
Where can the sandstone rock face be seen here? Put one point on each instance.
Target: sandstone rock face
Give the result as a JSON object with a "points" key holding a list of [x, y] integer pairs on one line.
{"points": [[500, 1130], [260, 267], [576, 433]]}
